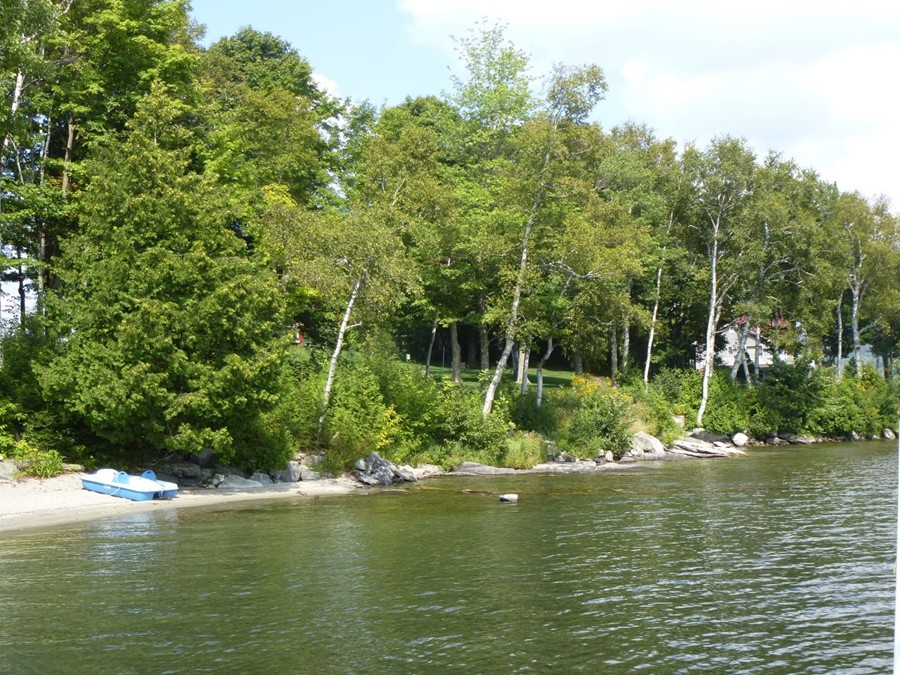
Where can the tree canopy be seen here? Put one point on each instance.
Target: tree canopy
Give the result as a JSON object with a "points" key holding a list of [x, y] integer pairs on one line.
{"points": [[194, 238]]}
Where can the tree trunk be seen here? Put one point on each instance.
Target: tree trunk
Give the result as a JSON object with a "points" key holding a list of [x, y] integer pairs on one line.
{"points": [[332, 368], [856, 293], [517, 298], [485, 341], [613, 352], [652, 328], [540, 371], [524, 357], [21, 275], [747, 377], [741, 349], [70, 147], [709, 357], [577, 364], [455, 353], [42, 234], [840, 337], [434, 326], [16, 98], [626, 343]]}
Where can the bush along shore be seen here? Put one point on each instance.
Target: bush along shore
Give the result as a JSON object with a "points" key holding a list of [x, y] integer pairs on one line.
{"points": [[390, 424]]}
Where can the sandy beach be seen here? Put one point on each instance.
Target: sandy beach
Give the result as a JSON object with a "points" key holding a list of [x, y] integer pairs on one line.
{"points": [[32, 503]]}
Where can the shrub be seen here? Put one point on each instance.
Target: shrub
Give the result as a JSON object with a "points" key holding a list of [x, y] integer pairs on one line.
{"points": [[785, 399], [32, 461], [601, 423], [683, 390], [466, 430], [37, 463], [840, 411], [528, 417], [865, 405], [358, 420], [727, 409], [523, 451], [659, 416]]}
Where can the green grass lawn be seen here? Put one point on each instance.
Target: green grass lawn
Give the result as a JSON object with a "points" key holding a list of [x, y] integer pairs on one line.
{"points": [[470, 376]]}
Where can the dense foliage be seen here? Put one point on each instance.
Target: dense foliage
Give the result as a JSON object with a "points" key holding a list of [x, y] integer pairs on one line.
{"points": [[202, 249]]}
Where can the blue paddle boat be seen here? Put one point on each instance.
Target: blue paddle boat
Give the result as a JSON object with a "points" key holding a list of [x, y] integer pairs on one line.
{"points": [[137, 488]]}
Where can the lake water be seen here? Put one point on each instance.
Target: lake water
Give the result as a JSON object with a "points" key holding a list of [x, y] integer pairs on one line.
{"points": [[781, 562]]}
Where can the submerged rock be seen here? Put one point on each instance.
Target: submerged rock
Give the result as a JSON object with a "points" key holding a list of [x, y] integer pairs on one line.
{"points": [[481, 469], [509, 498]]}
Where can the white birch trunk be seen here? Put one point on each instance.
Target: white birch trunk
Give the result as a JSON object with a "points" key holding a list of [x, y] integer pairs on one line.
{"points": [[741, 349], [652, 328], [856, 293], [840, 337], [710, 355], [332, 368], [524, 358], [613, 352], [434, 326], [17, 96], [756, 354], [540, 372], [514, 308]]}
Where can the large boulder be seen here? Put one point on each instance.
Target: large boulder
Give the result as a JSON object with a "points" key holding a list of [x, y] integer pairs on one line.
{"points": [[262, 478], [375, 470], [708, 436], [181, 470], [235, 481], [428, 470], [644, 443], [8, 470], [405, 473], [888, 434], [695, 447], [309, 474], [291, 473], [740, 439]]}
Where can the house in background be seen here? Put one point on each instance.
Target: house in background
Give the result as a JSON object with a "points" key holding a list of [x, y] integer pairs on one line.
{"points": [[757, 347]]}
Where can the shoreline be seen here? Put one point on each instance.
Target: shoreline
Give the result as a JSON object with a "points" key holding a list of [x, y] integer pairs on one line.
{"points": [[33, 503]]}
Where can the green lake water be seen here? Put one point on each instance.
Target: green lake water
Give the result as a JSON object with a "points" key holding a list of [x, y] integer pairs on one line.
{"points": [[781, 562]]}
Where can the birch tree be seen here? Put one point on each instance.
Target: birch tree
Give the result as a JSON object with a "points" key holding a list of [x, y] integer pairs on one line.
{"points": [[870, 231], [723, 178], [572, 94]]}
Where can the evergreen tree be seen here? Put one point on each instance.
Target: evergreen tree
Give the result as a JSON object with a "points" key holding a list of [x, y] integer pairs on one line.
{"points": [[168, 330]]}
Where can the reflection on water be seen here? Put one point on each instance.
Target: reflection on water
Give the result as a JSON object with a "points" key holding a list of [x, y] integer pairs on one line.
{"points": [[780, 562]]}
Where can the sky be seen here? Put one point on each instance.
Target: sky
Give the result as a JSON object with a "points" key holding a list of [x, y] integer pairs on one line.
{"points": [[814, 81]]}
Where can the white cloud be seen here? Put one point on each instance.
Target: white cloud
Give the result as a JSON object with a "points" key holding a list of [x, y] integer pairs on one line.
{"points": [[813, 80], [326, 84]]}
